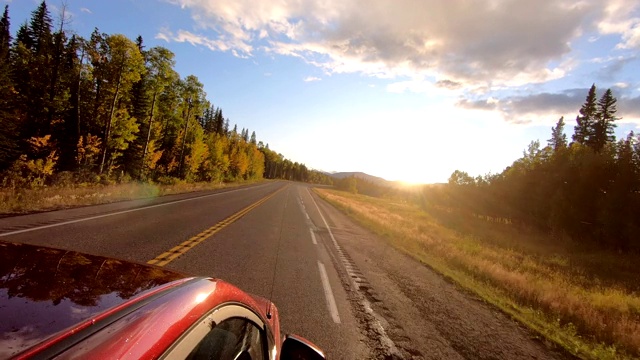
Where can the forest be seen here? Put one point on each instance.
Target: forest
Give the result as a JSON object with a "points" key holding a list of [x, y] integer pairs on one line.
{"points": [[106, 109], [586, 190]]}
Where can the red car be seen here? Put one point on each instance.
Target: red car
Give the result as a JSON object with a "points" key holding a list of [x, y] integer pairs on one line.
{"points": [[68, 305]]}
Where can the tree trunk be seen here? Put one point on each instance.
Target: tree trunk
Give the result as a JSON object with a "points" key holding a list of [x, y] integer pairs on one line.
{"points": [[107, 130], [146, 143], [184, 138]]}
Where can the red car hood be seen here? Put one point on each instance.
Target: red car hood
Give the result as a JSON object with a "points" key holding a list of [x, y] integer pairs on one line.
{"points": [[44, 292]]}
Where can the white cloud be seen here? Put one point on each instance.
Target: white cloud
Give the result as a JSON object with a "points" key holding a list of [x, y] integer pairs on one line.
{"points": [[475, 43], [236, 47], [85, 10], [311, 79], [622, 17]]}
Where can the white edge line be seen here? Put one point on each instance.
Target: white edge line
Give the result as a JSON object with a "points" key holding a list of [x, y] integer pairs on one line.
{"points": [[118, 213], [335, 243], [313, 237], [331, 301]]}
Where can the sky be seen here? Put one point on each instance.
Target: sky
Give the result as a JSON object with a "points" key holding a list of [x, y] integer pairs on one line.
{"points": [[403, 89]]}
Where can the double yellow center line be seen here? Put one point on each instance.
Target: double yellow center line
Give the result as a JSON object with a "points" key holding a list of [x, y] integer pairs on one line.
{"points": [[168, 256]]}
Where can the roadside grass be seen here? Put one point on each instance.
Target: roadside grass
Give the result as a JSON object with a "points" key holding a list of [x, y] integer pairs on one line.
{"points": [[21, 201], [585, 300]]}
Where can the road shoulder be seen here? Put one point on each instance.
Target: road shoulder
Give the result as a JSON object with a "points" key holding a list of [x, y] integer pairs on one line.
{"points": [[423, 314]]}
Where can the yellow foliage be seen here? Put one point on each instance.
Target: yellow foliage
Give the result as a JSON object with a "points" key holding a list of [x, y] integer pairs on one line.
{"points": [[35, 171], [40, 143], [88, 149]]}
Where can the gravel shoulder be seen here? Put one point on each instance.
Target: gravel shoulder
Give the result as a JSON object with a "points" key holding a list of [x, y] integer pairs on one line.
{"points": [[424, 315]]}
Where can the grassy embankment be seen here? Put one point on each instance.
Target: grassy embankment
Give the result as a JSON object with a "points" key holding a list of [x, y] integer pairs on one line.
{"points": [[585, 300], [20, 201]]}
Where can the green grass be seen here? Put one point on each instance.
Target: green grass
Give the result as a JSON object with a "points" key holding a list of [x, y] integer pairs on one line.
{"points": [[582, 299], [21, 201]]}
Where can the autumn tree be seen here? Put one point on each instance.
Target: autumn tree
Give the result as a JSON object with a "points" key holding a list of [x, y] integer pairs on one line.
{"points": [[106, 102], [160, 74], [122, 66]]}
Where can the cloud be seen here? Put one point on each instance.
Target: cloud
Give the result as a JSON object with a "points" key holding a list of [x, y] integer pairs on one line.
{"points": [[622, 17], [237, 48], [85, 10], [545, 106], [448, 84], [311, 79], [472, 43], [613, 66], [629, 108], [529, 108]]}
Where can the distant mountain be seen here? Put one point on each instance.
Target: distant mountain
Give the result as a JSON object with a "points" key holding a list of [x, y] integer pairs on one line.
{"points": [[363, 176]]}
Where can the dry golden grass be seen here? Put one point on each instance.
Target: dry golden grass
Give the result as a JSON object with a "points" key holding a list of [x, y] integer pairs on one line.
{"points": [[20, 201], [588, 302]]}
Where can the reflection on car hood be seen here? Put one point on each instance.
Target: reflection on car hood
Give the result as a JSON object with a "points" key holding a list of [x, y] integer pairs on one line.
{"points": [[45, 291]]}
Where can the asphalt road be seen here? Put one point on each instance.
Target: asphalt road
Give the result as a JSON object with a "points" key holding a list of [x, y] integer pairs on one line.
{"points": [[268, 239]]}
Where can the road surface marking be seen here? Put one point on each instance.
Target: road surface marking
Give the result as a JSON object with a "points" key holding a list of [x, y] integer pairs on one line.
{"points": [[313, 237], [335, 243], [118, 213], [328, 294], [168, 256]]}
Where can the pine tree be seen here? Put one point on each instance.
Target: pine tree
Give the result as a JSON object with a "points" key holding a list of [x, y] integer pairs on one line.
{"points": [[71, 78], [604, 126], [219, 121], [9, 149], [558, 138], [584, 130], [5, 36], [23, 36], [40, 28], [253, 138]]}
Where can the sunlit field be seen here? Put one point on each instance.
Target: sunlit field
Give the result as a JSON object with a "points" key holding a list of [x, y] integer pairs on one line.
{"points": [[583, 299]]}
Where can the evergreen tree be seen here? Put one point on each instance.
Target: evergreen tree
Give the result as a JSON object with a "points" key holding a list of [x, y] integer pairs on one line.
{"points": [[558, 138], [604, 126], [40, 28], [584, 129], [225, 128], [219, 121], [253, 138], [5, 36], [69, 135], [23, 36], [9, 149]]}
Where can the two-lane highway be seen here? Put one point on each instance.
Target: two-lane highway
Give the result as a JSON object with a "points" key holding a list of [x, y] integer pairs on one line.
{"points": [[261, 238]]}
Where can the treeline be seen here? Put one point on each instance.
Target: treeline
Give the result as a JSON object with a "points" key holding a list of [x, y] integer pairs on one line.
{"points": [[107, 108], [587, 189], [356, 185]]}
